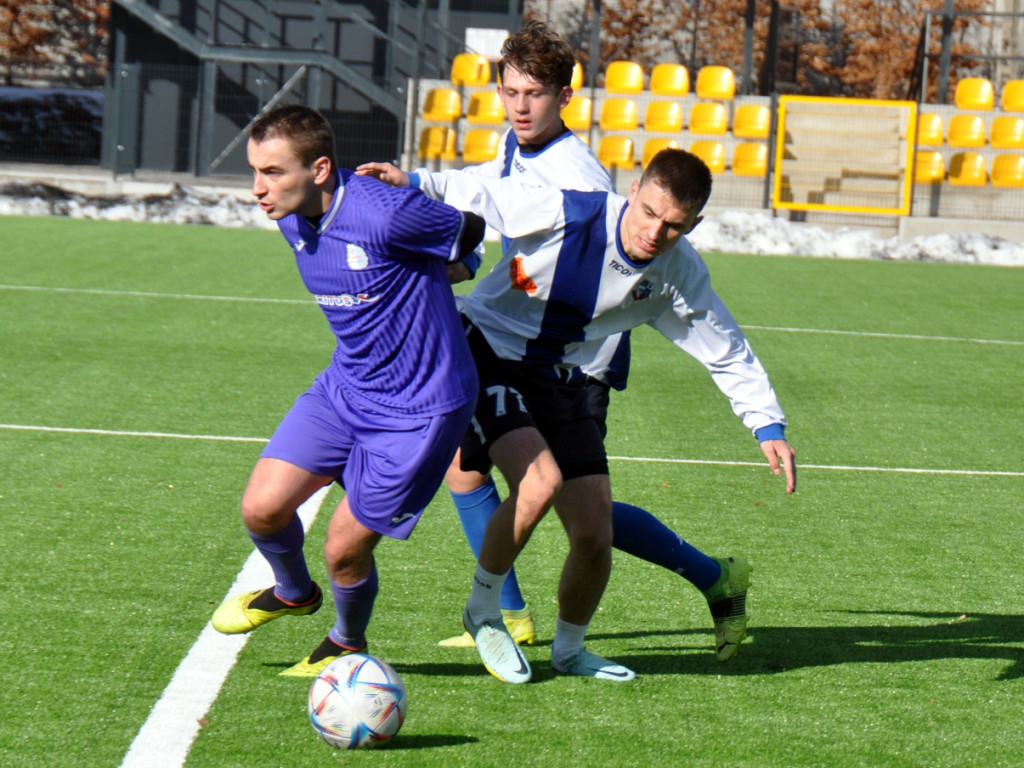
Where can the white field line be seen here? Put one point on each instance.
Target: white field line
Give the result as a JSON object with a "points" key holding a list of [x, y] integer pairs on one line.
{"points": [[149, 295], [637, 459], [199, 297], [874, 335], [165, 738]]}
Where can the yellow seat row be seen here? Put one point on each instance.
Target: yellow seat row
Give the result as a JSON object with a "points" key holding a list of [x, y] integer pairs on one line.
{"points": [[967, 169], [968, 131], [670, 79], [438, 142], [978, 93], [665, 116], [749, 158]]}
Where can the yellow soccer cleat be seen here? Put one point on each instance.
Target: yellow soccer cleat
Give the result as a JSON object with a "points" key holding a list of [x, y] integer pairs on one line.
{"points": [[519, 624], [243, 613], [314, 664], [727, 599]]}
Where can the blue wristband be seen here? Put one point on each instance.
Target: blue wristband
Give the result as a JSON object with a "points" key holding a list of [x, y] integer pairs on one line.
{"points": [[414, 179], [771, 432], [472, 261]]}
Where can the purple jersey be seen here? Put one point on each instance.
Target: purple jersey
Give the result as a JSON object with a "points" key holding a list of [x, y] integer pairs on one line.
{"points": [[376, 266]]}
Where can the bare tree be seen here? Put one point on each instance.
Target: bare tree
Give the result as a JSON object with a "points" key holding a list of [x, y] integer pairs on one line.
{"points": [[67, 38]]}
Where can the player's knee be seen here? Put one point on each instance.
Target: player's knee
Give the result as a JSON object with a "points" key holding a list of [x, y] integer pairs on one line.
{"points": [[540, 484], [260, 515]]}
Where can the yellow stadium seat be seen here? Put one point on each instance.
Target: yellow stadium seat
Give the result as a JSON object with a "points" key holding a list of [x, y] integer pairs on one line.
{"points": [[716, 83], [1012, 99], [578, 114], [664, 116], [481, 145], [751, 121], [966, 131], [967, 169], [1007, 132], [708, 117], [470, 69], [1008, 171], [577, 77], [711, 152], [929, 130], [974, 93], [654, 146], [929, 167], [750, 158], [437, 142], [670, 80], [625, 77], [443, 105], [618, 114], [616, 152], [485, 107]]}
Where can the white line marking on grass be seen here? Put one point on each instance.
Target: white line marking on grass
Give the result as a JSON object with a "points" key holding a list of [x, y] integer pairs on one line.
{"points": [[869, 334], [646, 459], [167, 735], [830, 467], [121, 433], [198, 297], [150, 295]]}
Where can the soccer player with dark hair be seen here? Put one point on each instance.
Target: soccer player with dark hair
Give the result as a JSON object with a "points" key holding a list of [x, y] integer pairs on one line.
{"points": [[576, 268], [377, 420], [536, 73]]}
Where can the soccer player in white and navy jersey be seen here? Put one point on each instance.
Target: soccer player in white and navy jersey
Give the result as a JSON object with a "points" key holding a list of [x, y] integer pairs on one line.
{"points": [[537, 149], [377, 420], [576, 268]]}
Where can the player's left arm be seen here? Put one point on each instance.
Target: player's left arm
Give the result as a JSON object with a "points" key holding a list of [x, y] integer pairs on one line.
{"points": [[701, 325]]}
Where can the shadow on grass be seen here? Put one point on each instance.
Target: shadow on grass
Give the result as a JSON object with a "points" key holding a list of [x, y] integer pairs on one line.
{"points": [[779, 649], [771, 650]]}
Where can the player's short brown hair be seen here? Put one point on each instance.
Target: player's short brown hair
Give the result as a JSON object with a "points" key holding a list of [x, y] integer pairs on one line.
{"points": [[540, 54], [308, 132], [686, 177]]}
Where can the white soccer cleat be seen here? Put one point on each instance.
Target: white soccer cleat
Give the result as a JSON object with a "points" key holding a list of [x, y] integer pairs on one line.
{"points": [[497, 649], [587, 664]]}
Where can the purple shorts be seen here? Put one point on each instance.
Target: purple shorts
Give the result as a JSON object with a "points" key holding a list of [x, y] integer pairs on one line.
{"points": [[389, 465]]}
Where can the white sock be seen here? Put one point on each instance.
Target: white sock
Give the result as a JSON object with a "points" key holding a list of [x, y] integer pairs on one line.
{"points": [[484, 602], [568, 640]]}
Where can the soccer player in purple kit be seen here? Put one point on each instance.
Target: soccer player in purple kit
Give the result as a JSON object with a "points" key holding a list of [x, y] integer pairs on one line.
{"points": [[376, 420]]}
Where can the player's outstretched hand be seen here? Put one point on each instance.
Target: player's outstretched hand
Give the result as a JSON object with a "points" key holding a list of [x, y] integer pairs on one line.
{"points": [[386, 172], [781, 458]]}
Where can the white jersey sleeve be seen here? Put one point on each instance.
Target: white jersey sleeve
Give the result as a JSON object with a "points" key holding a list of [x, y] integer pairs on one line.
{"points": [[699, 323]]}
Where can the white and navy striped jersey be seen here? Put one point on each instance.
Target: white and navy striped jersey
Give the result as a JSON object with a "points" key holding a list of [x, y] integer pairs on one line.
{"points": [[565, 283], [564, 163]]}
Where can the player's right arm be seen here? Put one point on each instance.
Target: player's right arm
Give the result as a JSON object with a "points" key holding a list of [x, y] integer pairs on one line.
{"points": [[513, 209]]}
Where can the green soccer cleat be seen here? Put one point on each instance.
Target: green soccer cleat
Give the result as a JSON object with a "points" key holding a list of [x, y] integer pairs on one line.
{"points": [[243, 613], [727, 599], [314, 664], [519, 624], [498, 650], [587, 664]]}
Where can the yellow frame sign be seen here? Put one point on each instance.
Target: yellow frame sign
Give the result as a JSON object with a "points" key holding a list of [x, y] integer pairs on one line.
{"points": [[823, 144]]}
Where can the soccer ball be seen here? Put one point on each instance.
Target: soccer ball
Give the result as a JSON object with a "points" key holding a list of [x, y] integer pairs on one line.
{"points": [[357, 701]]}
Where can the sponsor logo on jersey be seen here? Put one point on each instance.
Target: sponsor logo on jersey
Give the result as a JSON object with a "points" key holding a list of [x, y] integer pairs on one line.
{"points": [[518, 166], [618, 266], [345, 300], [357, 258], [298, 246]]}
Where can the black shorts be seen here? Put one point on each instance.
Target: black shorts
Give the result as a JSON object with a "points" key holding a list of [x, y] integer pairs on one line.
{"points": [[597, 403], [514, 395]]}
